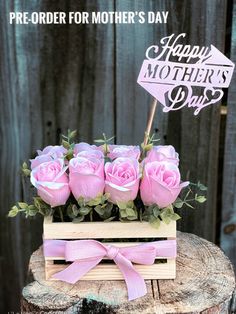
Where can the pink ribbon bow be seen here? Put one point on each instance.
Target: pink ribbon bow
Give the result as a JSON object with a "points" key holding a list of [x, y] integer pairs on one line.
{"points": [[86, 254]]}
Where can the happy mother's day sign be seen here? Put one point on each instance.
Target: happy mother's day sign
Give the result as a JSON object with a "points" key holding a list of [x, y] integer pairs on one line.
{"points": [[173, 74]]}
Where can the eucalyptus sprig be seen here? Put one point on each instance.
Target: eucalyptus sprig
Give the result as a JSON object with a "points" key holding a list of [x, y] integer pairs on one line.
{"points": [[30, 210], [105, 142], [25, 170], [84, 208], [154, 215], [192, 196], [151, 140], [68, 143]]}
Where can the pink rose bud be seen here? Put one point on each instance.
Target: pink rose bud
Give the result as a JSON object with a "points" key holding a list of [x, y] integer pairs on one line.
{"points": [[161, 183], [122, 179], [116, 151], [54, 151], [49, 153], [163, 153], [91, 154], [86, 177], [85, 147], [51, 182], [39, 160]]}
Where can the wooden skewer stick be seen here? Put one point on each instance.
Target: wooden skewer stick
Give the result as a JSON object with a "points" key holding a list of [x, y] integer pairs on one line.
{"points": [[150, 121]]}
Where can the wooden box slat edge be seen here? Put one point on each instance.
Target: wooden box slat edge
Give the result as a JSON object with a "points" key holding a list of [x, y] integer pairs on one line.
{"points": [[112, 272], [103, 230]]}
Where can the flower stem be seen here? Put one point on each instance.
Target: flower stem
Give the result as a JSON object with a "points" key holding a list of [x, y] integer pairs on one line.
{"points": [[61, 214], [91, 215]]}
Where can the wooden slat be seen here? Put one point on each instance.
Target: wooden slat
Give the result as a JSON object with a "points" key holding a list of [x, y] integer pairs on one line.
{"points": [[53, 77], [133, 102], [21, 129], [228, 216], [98, 230], [112, 272], [197, 138]]}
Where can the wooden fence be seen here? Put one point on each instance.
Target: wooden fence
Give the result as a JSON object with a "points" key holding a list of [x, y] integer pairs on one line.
{"points": [[55, 77]]}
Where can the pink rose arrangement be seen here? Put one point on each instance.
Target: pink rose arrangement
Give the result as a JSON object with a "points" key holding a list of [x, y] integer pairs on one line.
{"points": [[106, 181]]}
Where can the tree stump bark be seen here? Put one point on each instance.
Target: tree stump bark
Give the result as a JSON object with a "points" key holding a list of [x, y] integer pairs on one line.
{"points": [[205, 283]]}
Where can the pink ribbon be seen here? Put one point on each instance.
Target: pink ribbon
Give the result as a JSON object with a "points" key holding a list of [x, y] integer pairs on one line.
{"points": [[86, 254]]}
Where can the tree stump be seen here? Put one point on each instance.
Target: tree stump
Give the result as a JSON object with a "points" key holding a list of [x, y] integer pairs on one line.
{"points": [[205, 283]]}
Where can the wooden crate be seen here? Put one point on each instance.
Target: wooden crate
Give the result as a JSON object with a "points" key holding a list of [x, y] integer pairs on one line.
{"points": [[111, 230]]}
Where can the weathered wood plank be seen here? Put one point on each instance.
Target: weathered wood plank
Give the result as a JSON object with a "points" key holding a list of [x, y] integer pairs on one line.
{"points": [[132, 101], [228, 226], [50, 81], [77, 75], [197, 138], [21, 132]]}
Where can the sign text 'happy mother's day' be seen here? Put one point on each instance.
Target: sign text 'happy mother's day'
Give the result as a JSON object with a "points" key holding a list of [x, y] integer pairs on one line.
{"points": [[173, 71]]}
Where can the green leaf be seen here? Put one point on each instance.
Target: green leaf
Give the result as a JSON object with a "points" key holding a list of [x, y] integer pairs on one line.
{"points": [[178, 203], [175, 217], [72, 211], [156, 211], [99, 141], [130, 212], [165, 216], [99, 210], [111, 138], [72, 134], [13, 212], [78, 219], [105, 196], [121, 205], [130, 204], [132, 217], [26, 172], [24, 165], [81, 201], [148, 147], [200, 198], [123, 213], [22, 205], [110, 219], [65, 144], [201, 186], [155, 223], [32, 210], [43, 208], [169, 210], [95, 201], [84, 210], [75, 210]]}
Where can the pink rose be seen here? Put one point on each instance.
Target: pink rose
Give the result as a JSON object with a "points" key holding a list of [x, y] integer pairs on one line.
{"points": [[54, 151], [39, 160], [116, 151], [51, 182], [161, 183], [85, 147], [163, 153], [86, 177], [91, 154], [49, 153], [122, 179]]}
